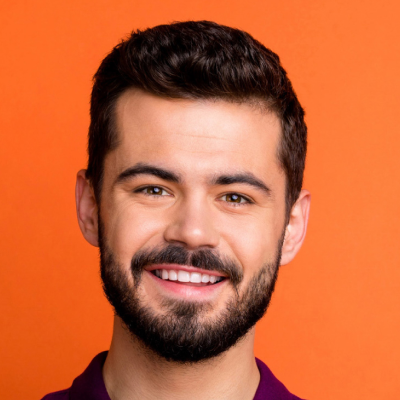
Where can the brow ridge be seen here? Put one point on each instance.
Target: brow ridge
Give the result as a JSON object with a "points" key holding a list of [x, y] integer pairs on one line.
{"points": [[147, 169], [247, 178], [244, 177]]}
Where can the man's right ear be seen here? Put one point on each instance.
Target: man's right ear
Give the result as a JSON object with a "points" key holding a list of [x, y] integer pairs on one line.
{"points": [[86, 208]]}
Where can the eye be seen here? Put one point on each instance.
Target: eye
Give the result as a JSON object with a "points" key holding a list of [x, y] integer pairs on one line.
{"points": [[153, 191], [235, 199]]}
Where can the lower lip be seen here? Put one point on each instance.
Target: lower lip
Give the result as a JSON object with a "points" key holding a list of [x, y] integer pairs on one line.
{"points": [[186, 290]]}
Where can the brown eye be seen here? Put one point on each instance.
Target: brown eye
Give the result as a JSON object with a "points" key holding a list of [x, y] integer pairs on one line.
{"points": [[155, 191], [235, 198]]}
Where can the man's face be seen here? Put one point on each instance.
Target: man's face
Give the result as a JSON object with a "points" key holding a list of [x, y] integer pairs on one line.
{"points": [[193, 191]]}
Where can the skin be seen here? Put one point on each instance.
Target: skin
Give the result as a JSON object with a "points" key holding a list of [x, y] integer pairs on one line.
{"points": [[198, 141]]}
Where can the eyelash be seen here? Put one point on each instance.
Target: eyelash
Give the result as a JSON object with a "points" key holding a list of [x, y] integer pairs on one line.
{"points": [[246, 199], [234, 204], [142, 190]]}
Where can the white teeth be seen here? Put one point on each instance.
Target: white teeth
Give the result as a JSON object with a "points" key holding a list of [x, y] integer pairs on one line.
{"points": [[164, 274], [195, 277], [183, 276], [173, 276]]}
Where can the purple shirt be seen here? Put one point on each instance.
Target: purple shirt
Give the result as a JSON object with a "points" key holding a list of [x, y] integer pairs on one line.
{"points": [[90, 385]]}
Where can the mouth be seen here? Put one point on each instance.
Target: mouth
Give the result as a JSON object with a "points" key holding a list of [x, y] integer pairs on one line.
{"points": [[181, 276], [185, 275]]}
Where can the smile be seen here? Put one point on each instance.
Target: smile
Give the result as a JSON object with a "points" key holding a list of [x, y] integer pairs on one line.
{"points": [[186, 280], [185, 276]]}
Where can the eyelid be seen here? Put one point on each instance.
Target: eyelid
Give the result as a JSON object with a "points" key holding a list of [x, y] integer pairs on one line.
{"points": [[248, 200], [141, 189]]}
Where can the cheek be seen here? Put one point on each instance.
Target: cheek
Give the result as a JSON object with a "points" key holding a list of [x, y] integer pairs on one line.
{"points": [[253, 243], [131, 229]]}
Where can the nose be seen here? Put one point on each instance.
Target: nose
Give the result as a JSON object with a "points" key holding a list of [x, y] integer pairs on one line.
{"points": [[192, 225]]}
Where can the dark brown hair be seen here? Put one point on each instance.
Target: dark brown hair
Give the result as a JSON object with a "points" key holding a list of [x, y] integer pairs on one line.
{"points": [[197, 60]]}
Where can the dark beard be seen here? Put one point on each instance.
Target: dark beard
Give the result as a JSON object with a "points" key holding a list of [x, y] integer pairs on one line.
{"points": [[180, 335]]}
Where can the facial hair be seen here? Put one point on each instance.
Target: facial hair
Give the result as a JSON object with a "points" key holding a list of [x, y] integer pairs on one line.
{"points": [[182, 334]]}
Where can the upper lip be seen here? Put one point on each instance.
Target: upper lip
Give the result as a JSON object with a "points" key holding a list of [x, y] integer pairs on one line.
{"points": [[188, 268]]}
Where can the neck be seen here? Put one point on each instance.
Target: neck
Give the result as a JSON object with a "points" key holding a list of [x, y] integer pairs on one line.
{"points": [[132, 372]]}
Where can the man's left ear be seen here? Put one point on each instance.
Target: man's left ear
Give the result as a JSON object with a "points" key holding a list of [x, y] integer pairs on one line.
{"points": [[297, 227]]}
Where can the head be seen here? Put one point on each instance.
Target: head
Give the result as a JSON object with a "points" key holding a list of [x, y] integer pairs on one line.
{"points": [[197, 149]]}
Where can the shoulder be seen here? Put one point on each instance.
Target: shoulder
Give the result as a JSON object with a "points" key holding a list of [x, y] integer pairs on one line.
{"points": [[60, 395]]}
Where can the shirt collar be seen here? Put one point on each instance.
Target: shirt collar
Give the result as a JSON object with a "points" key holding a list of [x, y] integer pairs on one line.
{"points": [[90, 385]]}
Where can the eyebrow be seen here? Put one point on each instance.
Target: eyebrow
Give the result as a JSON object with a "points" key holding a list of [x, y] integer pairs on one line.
{"points": [[147, 169], [247, 177]]}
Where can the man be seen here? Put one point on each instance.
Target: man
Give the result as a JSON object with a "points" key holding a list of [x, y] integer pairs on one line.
{"points": [[193, 193]]}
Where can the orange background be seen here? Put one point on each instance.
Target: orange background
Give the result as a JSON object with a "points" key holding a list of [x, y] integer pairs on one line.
{"points": [[333, 329]]}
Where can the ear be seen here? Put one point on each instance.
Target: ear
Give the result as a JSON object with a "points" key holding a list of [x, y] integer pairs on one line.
{"points": [[86, 208], [296, 228]]}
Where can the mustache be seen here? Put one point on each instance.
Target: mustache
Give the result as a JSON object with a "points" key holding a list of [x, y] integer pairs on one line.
{"points": [[205, 259]]}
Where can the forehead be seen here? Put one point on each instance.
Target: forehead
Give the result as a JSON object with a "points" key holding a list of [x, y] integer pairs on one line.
{"points": [[194, 135]]}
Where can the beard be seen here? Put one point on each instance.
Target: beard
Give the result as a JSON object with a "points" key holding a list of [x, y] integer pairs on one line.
{"points": [[183, 333]]}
